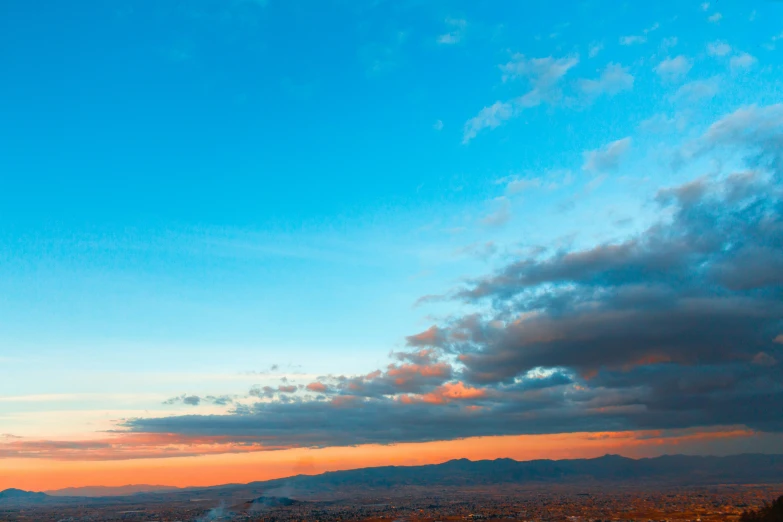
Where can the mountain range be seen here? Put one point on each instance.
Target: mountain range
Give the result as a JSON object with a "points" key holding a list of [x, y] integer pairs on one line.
{"points": [[108, 491], [669, 470]]}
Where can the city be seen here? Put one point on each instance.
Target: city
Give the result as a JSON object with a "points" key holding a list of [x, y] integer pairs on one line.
{"points": [[561, 504]]}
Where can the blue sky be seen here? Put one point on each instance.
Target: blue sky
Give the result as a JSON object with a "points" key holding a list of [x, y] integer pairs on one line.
{"points": [[201, 196]]}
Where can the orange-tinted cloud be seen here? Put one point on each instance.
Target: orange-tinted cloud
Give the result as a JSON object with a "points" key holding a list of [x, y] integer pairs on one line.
{"points": [[317, 387], [448, 392], [430, 337], [406, 372], [123, 446]]}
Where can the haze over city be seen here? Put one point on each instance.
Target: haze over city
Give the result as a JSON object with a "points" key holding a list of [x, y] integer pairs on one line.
{"points": [[244, 240]]}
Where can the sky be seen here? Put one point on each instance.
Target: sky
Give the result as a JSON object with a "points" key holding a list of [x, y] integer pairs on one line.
{"points": [[242, 239]]}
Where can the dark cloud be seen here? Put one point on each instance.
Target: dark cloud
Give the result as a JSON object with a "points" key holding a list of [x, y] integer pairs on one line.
{"points": [[195, 400], [270, 392], [679, 326], [384, 421]]}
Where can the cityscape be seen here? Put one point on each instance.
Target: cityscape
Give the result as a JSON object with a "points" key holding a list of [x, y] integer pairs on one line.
{"points": [[718, 503]]}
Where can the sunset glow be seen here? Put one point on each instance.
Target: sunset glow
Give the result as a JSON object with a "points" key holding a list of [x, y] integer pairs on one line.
{"points": [[229, 465]]}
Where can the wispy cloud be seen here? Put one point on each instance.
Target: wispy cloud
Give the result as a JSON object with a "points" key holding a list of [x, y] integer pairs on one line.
{"points": [[543, 76], [594, 49], [742, 62], [613, 79], [718, 48], [674, 69], [639, 38], [552, 181], [633, 39], [488, 118], [382, 57], [668, 43], [697, 90], [456, 31], [607, 158], [501, 215], [542, 73]]}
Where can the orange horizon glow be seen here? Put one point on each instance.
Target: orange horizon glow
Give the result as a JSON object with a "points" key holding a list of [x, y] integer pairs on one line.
{"points": [[206, 470]]}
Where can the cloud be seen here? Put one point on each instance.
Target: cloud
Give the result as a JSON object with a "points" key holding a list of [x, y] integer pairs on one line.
{"points": [[713, 276], [764, 359], [715, 18], [438, 125], [552, 180], [542, 73], [456, 31], [543, 76], [595, 49], [446, 393], [270, 392], [668, 43], [674, 69], [518, 186], [773, 42], [718, 48], [607, 158], [480, 250], [661, 123], [670, 329], [742, 62], [428, 337], [614, 79], [126, 446], [501, 215], [317, 387], [697, 90], [638, 39], [381, 57], [753, 133], [488, 118], [633, 40], [449, 38], [195, 400], [678, 326], [754, 127]]}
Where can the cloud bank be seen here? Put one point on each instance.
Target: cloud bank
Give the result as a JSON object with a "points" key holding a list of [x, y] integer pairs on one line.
{"points": [[676, 327]]}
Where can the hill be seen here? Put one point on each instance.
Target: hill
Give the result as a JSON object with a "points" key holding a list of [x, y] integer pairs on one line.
{"points": [[20, 496]]}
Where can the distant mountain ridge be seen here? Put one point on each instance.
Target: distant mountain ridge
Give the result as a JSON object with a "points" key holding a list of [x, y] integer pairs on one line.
{"points": [[668, 470], [108, 491]]}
